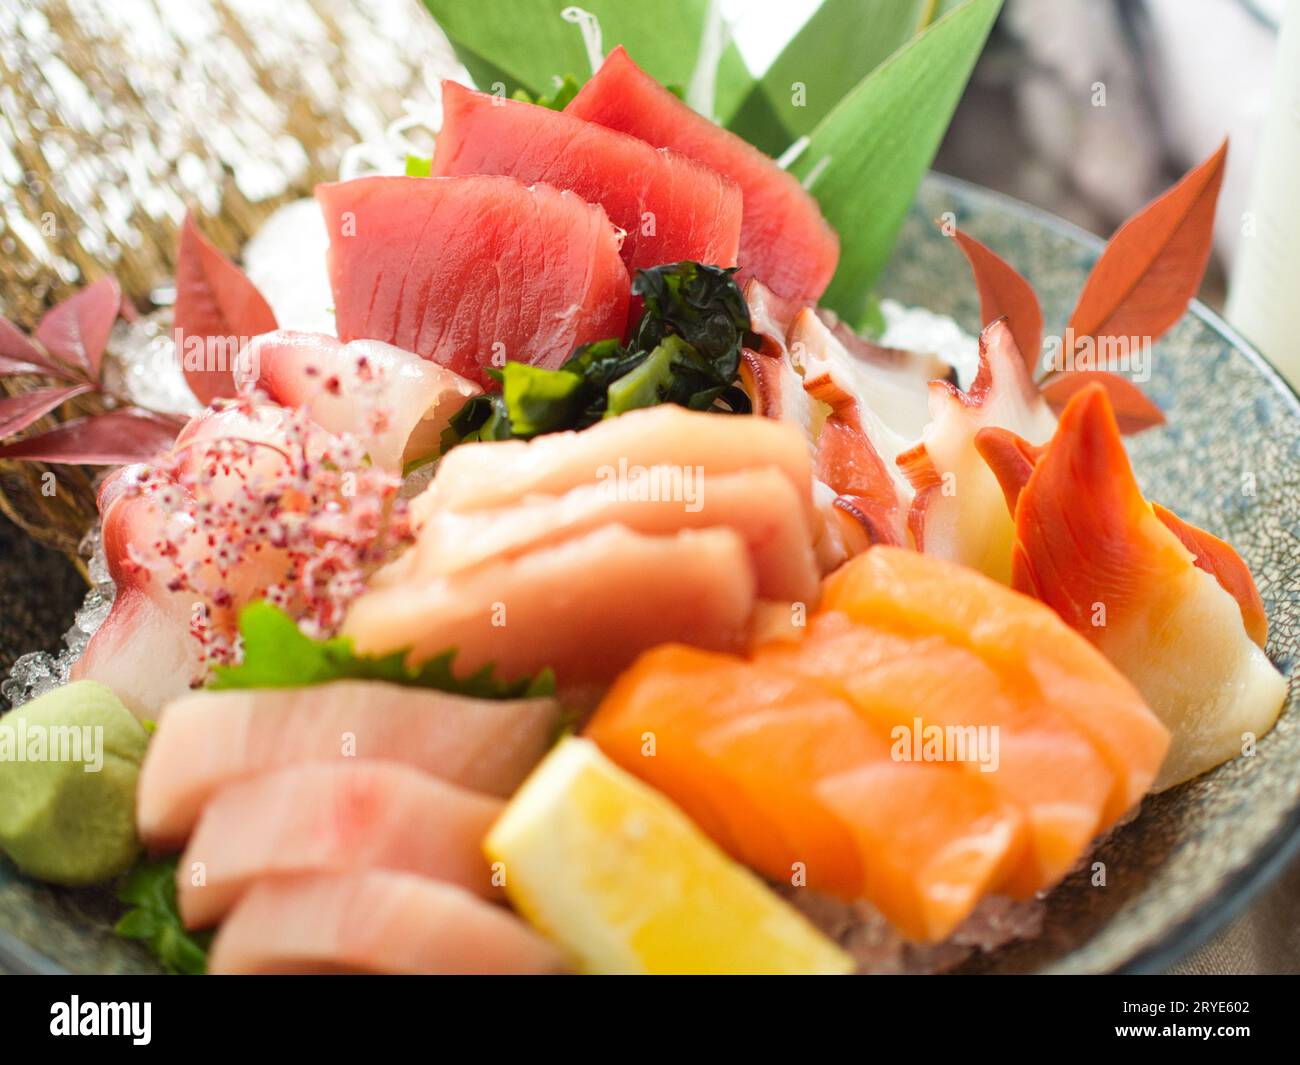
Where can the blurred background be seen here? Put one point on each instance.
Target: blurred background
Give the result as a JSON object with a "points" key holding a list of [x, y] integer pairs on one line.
{"points": [[116, 112]]}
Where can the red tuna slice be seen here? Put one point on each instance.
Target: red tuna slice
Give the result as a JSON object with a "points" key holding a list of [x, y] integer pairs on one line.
{"points": [[784, 240], [209, 739], [332, 818], [375, 922], [670, 207], [471, 271], [395, 402]]}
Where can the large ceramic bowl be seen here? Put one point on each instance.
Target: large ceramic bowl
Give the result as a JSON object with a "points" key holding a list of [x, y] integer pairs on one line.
{"points": [[1228, 460]]}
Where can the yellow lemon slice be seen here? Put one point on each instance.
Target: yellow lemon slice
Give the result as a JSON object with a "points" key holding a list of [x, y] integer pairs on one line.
{"points": [[620, 878]]}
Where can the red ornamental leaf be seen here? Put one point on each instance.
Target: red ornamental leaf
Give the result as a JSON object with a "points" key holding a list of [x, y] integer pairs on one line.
{"points": [[20, 355], [76, 330], [1153, 264], [111, 439], [1133, 410], [18, 412], [217, 306], [1004, 293]]}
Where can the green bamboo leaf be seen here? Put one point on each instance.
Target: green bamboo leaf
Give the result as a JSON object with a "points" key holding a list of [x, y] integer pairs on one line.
{"points": [[866, 158], [842, 42], [525, 44]]}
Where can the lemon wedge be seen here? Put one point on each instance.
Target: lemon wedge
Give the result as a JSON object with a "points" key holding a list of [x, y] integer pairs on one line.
{"points": [[620, 878]]}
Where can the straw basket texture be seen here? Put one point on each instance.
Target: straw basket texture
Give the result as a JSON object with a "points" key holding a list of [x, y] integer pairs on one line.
{"points": [[115, 117]]}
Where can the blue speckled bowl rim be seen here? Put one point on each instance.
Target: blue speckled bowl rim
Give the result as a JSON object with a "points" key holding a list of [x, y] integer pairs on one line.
{"points": [[1283, 847], [1242, 887]]}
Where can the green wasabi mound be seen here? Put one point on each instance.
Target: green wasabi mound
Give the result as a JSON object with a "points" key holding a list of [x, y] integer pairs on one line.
{"points": [[68, 767]]}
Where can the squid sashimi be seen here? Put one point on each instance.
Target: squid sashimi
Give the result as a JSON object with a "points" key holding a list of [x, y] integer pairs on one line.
{"points": [[784, 240], [207, 740], [762, 761], [1026, 646], [1172, 607], [585, 607], [760, 505], [959, 512], [495, 474], [669, 207], [415, 262], [329, 818], [397, 403], [374, 921]]}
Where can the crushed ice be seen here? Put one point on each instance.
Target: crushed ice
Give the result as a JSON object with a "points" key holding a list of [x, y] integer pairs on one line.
{"points": [[38, 672]]}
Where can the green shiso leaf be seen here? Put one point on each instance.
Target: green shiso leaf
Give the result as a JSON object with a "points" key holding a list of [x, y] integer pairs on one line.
{"points": [[565, 89], [524, 44], [418, 166], [154, 919], [842, 42], [277, 654], [865, 159]]}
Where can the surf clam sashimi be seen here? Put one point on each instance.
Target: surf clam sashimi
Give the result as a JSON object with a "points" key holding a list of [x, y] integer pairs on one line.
{"points": [[1174, 608]]}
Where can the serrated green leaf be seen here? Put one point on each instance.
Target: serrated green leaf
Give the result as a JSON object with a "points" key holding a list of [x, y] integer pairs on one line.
{"points": [[524, 44], [563, 90], [154, 919], [842, 42], [277, 654], [866, 158]]}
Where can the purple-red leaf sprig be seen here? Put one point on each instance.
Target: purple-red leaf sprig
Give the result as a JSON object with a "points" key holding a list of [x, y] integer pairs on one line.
{"points": [[68, 348]]}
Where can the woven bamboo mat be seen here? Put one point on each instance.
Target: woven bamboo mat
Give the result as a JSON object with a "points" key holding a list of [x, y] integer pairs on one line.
{"points": [[117, 115]]}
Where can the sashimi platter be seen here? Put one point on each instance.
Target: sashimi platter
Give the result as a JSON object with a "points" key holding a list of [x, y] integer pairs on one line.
{"points": [[605, 581]]}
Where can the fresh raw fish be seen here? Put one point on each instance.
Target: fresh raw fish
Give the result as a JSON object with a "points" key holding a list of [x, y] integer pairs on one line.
{"points": [[669, 207], [144, 650], [761, 505], [959, 511], [492, 475], [395, 402], [784, 241], [207, 740], [749, 753], [1025, 645], [374, 921], [814, 756], [585, 607], [472, 271], [1173, 608], [324, 817], [1058, 779]]}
